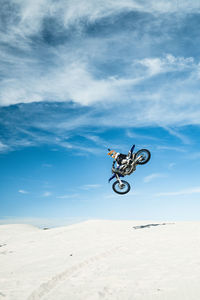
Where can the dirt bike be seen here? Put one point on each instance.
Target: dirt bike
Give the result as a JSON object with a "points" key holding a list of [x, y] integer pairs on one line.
{"points": [[141, 157]]}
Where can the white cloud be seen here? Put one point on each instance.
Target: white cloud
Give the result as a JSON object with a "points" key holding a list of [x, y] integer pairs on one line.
{"points": [[169, 6], [98, 140], [71, 82], [185, 139], [189, 191], [77, 83], [169, 63], [25, 18], [194, 155], [32, 12], [46, 165], [153, 176], [3, 147], [171, 165], [171, 148], [36, 72], [47, 194], [23, 192], [79, 147], [68, 196], [135, 135], [90, 186]]}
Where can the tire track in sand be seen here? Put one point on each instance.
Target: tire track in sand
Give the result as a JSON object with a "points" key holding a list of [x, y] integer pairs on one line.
{"points": [[49, 285]]}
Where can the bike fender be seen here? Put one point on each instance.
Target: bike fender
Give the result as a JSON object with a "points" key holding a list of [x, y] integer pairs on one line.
{"points": [[111, 178]]}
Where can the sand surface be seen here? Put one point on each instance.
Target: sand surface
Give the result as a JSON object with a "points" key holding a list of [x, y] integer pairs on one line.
{"points": [[118, 260]]}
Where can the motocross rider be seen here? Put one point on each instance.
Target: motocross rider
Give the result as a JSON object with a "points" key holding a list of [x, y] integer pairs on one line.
{"points": [[119, 158]]}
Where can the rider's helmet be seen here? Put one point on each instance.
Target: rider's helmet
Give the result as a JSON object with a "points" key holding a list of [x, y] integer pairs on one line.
{"points": [[113, 154]]}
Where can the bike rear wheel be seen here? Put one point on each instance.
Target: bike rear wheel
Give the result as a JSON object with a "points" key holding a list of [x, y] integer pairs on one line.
{"points": [[124, 189]]}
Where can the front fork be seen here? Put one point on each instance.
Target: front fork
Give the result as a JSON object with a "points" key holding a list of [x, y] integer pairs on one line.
{"points": [[119, 180], [137, 159]]}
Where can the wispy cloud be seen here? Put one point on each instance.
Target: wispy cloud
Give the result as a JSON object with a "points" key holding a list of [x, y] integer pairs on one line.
{"points": [[171, 165], [90, 186], [194, 155], [189, 191], [153, 176], [169, 63], [175, 132], [171, 148], [96, 139], [3, 147], [46, 165], [47, 194], [23, 192], [132, 134], [67, 196], [79, 147], [87, 56], [62, 75]]}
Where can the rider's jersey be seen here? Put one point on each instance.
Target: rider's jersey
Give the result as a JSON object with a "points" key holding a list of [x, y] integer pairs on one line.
{"points": [[119, 158]]}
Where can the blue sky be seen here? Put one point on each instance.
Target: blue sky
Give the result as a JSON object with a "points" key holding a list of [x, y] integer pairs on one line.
{"points": [[78, 77]]}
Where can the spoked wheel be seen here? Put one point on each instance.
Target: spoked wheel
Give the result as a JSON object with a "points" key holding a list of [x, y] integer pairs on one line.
{"points": [[145, 156], [123, 189]]}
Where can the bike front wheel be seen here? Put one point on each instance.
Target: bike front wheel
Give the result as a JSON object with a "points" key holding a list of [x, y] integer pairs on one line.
{"points": [[145, 156], [121, 189]]}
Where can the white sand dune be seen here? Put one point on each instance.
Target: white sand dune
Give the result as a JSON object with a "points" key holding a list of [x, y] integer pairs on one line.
{"points": [[101, 260]]}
